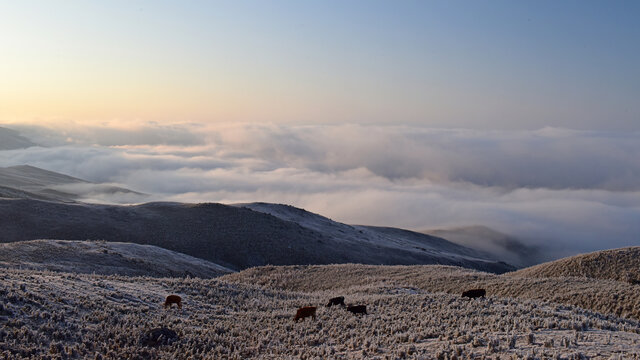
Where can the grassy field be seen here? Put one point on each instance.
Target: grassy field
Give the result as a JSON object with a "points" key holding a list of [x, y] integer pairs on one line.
{"points": [[49, 315]]}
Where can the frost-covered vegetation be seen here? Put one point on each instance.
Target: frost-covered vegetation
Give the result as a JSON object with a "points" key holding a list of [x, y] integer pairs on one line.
{"points": [[107, 258], [606, 296], [64, 315], [616, 264]]}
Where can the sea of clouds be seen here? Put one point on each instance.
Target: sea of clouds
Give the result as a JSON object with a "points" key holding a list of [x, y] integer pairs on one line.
{"points": [[564, 190]]}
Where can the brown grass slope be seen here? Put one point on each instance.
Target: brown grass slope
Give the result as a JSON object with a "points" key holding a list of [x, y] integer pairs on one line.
{"points": [[617, 264], [605, 296]]}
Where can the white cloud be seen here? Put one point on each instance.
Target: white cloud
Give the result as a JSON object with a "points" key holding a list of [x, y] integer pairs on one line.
{"points": [[572, 190]]}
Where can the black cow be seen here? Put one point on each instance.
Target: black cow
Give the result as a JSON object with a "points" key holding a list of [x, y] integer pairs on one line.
{"points": [[336, 301], [474, 293], [357, 309]]}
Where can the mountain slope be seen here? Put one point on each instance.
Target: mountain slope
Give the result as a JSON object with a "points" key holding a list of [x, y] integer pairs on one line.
{"points": [[13, 193], [234, 237], [387, 237], [616, 264], [36, 183], [107, 258], [26, 176], [11, 140], [359, 233], [487, 240]]}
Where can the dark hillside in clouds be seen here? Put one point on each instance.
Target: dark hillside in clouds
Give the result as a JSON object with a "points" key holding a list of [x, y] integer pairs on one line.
{"points": [[227, 235], [24, 181], [362, 233], [482, 238], [11, 139], [210, 231]]}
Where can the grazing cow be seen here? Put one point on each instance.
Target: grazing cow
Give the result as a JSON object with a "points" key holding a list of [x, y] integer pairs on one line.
{"points": [[336, 301], [304, 312], [173, 299], [474, 293], [357, 309]]}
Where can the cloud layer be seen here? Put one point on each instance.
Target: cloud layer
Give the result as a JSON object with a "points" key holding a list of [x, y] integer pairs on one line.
{"points": [[567, 190]]}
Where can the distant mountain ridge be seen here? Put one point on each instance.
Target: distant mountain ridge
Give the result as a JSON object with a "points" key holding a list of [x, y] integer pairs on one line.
{"points": [[12, 140], [489, 241], [41, 204], [25, 181], [234, 237], [356, 233]]}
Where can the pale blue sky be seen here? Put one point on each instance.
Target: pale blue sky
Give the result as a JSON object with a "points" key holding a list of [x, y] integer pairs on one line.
{"points": [[470, 64]]}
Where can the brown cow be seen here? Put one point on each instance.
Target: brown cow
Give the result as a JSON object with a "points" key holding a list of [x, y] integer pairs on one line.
{"points": [[173, 299], [474, 293], [357, 309], [304, 312]]}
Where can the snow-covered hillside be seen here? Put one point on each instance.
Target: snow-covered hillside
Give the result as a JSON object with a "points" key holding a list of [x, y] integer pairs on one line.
{"points": [[71, 316], [106, 258]]}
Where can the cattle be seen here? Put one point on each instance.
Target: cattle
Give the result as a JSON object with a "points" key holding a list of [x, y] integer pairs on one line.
{"points": [[336, 301], [304, 312], [173, 299], [357, 309], [474, 293]]}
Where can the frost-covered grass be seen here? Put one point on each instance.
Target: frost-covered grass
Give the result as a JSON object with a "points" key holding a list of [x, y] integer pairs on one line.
{"points": [[606, 296], [106, 258], [65, 315], [617, 264]]}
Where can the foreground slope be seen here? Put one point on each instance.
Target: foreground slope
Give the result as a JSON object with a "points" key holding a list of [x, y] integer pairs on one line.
{"points": [[234, 237], [107, 258], [56, 315], [616, 264], [606, 296]]}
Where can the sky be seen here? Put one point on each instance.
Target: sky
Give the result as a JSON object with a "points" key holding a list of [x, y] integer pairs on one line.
{"points": [[520, 116], [447, 64]]}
